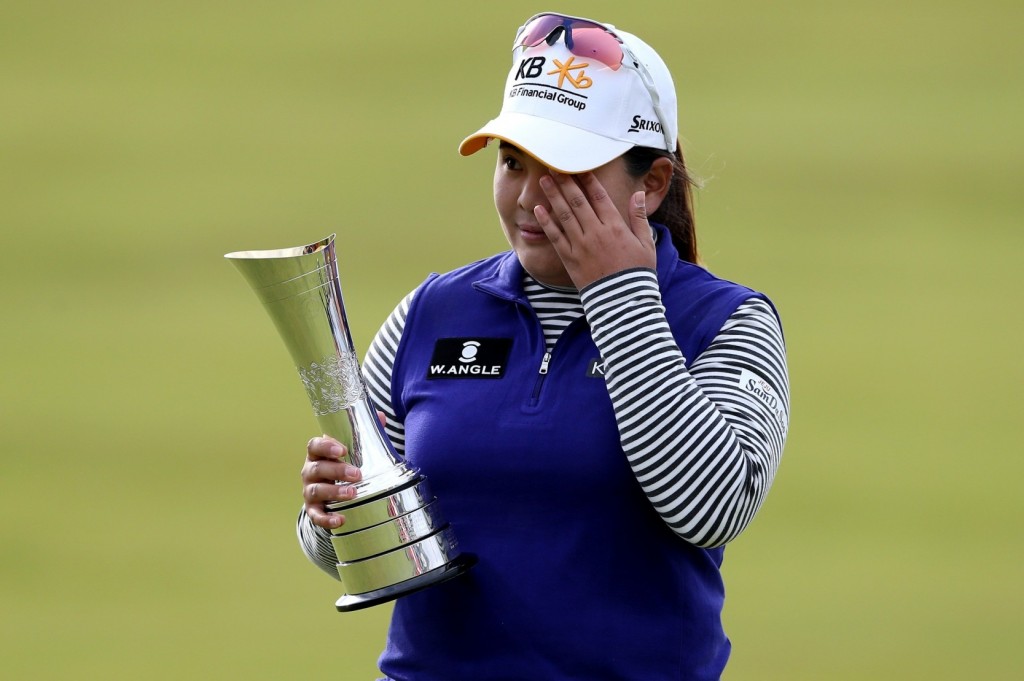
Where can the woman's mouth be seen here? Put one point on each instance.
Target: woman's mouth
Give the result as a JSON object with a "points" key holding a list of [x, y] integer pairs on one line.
{"points": [[532, 232]]}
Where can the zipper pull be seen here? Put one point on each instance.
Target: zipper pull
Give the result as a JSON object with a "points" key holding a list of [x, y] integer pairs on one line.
{"points": [[545, 362]]}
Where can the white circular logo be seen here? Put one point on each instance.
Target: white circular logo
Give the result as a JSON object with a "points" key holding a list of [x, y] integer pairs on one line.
{"points": [[469, 350]]}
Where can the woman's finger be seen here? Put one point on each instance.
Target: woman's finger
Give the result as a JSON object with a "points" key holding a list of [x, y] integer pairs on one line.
{"points": [[325, 447], [638, 222], [569, 204], [320, 493], [325, 470], [599, 202], [552, 229], [324, 518]]}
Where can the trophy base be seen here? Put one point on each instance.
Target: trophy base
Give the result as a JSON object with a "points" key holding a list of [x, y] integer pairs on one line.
{"points": [[454, 568]]}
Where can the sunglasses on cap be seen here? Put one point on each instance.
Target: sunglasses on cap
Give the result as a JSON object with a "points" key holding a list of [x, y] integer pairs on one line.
{"points": [[590, 40]]}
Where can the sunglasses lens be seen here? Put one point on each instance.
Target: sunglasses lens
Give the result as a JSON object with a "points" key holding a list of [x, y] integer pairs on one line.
{"points": [[584, 38], [540, 28], [595, 42]]}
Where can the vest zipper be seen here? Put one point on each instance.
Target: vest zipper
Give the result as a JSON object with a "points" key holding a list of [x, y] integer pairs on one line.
{"points": [[544, 363], [541, 373]]}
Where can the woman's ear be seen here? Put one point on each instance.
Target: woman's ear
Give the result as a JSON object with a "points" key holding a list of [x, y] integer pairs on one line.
{"points": [[657, 182]]}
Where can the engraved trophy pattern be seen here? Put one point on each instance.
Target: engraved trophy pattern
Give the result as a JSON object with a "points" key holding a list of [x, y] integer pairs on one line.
{"points": [[333, 383]]}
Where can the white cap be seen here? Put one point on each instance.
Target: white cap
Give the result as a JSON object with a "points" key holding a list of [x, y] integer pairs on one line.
{"points": [[574, 114]]}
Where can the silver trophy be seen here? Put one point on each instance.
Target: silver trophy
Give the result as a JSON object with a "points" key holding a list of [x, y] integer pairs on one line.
{"points": [[394, 540]]}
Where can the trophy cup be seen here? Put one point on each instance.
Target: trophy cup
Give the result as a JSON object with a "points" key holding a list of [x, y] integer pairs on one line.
{"points": [[394, 540]]}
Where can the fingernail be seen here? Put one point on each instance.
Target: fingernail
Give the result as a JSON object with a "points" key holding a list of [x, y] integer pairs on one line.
{"points": [[337, 451], [353, 473], [546, 182]]}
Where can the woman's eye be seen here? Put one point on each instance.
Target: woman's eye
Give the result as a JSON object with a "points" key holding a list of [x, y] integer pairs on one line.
{"points": [[510, 163]]}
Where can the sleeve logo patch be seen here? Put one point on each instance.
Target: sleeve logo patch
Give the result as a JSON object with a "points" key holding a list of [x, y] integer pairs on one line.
{"points": [[765, 393], [469, 358]]}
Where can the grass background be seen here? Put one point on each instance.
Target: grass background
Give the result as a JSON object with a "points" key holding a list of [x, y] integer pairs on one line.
{"points": [[862, 165]]}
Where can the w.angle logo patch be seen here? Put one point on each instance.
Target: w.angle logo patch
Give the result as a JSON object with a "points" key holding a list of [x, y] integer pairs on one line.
{"points": [[469, 358]]}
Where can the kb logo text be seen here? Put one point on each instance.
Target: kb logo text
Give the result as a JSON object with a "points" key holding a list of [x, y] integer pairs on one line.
{"points": [[530, 68]]}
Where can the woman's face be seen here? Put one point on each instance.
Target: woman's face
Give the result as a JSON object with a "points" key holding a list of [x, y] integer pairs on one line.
{"points": [[517, 190]]}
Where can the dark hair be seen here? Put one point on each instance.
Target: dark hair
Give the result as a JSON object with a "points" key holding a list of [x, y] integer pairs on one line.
{"points": [[676, 211]]}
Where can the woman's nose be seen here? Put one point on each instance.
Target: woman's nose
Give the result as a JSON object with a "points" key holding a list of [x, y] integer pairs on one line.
{"points": [[531, 194]]}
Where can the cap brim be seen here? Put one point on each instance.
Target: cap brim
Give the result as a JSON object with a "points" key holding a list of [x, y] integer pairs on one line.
{"points": [[564, 148]]}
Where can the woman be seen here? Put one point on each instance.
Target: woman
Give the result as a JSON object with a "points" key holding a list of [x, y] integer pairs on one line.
{"points": [[639, 413]]}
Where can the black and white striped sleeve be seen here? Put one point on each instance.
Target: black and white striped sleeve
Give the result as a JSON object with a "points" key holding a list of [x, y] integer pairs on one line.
{"points": [[704, 442], [377, 367]]}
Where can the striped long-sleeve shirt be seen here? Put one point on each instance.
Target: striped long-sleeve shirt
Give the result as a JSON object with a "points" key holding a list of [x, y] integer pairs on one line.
{"points": [[704, 440]]}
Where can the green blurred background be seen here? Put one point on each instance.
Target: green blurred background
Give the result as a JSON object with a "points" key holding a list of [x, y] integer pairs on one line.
{"points": [[862, 163]]}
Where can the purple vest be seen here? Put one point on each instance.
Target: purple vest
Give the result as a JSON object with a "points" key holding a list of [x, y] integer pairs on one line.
{"points": [[578, 577]]}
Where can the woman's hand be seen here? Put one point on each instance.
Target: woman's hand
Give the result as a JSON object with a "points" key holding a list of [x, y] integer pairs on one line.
{"points": [[591, 234], [324, 479]]}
